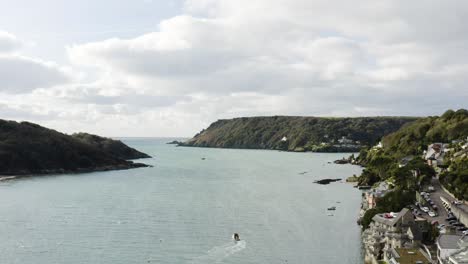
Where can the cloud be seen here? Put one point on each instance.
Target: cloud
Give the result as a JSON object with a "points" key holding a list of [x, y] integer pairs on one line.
{"points": [[20, 74], [225, 46], [227, 58], [8, 42], [26, 112]]}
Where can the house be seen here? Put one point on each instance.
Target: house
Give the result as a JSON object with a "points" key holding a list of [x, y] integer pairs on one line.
{"points": [[284, 139], [448, 245], [371, 197], [390, 231], [344, 140], [378, 146], [434, 155], [408, 256]]}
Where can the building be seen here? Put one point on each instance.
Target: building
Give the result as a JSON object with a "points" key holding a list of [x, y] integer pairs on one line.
{"points": [[434, 155], [390, 231], [408, 256], [344, 140], [372, 196], [459, 257], [448, 245]]}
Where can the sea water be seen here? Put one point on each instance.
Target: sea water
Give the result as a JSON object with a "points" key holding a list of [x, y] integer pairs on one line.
{"points": [[185, 210]]}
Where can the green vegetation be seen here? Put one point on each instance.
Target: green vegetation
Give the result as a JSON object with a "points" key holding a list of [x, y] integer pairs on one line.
{"points": [[399, 161], [353, 178], [114, 147], [413, 138], [382, 167], [455, 179], [393, 201], [27, 148], [298, 133], [406, 146]]}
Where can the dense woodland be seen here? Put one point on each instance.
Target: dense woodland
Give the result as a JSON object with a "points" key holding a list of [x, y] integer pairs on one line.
{"points": [[302, 133], [455, 177], [114, 147], [27, 148], [414, 138]]}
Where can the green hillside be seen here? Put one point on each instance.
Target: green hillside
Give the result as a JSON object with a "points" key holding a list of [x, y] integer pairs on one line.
{"points": [[294, 133], [114, 147], [413, 138], [27, 148], [409, 143]]}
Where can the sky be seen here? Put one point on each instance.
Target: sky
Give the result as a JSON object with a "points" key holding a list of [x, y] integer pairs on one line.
{"points": [[154, 68]]}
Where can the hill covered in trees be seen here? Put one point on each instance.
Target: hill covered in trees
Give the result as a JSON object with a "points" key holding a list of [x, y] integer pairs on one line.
{"points": [[414, 138], [399, 161], [27, 148], [409, 143], [294, 133], [114, 147]]}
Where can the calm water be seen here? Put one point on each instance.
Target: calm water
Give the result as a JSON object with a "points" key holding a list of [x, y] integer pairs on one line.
{"points": [[184, 210]]}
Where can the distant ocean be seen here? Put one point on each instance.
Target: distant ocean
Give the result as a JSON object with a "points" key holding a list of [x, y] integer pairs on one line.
{"points": [[185, 210]]}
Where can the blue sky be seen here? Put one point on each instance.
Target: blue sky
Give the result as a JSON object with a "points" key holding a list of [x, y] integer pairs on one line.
{"points": [[170, 68]]}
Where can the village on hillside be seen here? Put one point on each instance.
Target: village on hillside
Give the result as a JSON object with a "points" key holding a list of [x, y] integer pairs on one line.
{"points": [[431, 230]]}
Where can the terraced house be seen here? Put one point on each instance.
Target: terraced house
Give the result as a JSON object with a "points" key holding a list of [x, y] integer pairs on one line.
{"points": [[391, 231]]}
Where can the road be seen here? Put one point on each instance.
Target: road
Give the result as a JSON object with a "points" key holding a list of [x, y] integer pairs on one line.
{"points": [[435, 197]]}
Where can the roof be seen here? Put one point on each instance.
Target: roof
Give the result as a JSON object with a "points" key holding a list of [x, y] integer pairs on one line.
{"points": [[448, 241], [460, 256], [390, 221], [410, 256]]}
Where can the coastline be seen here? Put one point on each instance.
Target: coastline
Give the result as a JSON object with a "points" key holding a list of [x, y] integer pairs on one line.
{"points": [[254, 148], [24, 174]]}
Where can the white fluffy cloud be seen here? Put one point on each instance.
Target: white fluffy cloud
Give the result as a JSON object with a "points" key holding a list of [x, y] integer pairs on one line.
{"points": [[20, 74], [226, 58]]}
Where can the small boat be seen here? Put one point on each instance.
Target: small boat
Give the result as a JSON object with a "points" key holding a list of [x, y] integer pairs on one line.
{"points": [[333, 208], [235, 236]]}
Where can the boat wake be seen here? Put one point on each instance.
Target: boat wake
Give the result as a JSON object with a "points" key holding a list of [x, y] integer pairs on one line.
{"points": [[219, 253]]}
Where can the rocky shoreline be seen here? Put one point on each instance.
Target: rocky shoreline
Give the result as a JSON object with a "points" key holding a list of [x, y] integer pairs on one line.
{"points": [[29, 173], [29, 149]]}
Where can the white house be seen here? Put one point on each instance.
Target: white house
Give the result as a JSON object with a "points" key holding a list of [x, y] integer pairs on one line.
{"points": [[435, 153], [344, 140]]}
